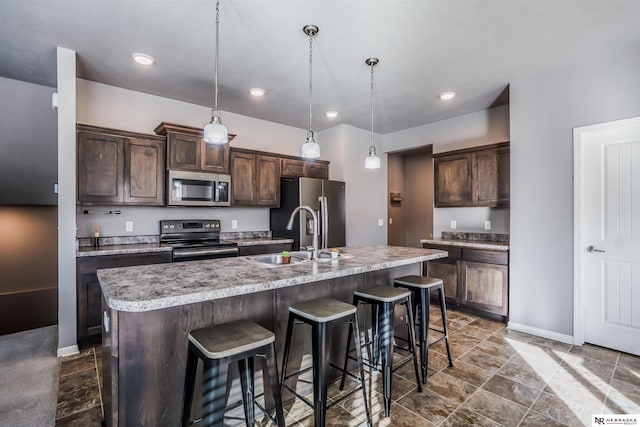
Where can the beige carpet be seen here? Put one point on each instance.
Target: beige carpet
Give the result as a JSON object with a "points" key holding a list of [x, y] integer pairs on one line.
{"points": [[29, 375]]}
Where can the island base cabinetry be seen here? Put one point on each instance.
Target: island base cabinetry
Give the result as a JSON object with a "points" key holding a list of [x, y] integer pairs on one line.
{"points": [[145, 352], [476, 280]]}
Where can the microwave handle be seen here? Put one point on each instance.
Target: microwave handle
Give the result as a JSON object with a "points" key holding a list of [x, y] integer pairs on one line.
{"points": [[216, 191]]}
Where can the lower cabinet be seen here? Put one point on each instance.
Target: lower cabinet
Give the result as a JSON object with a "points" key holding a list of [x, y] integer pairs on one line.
{"points": [[89, 294], [474, 279], [264, 249]]}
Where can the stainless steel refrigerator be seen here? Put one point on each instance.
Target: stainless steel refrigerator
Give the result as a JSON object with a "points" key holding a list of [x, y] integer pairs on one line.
{"points": [[325, 197]]}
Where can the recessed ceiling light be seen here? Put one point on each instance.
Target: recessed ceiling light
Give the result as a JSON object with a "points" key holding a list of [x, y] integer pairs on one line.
{"points": [[445, 96], [331, 114], [143, 58], [256, 91]]}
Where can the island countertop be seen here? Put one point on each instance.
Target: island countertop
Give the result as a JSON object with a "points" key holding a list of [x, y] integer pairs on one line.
{"points": [[153, 287]]}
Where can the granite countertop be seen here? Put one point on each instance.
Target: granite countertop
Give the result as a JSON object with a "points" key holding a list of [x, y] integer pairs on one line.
{"points": [[152, 287], [477, 244], [87, 251], [257, 241]]}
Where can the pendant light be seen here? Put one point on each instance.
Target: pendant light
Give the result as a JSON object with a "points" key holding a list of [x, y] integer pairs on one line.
{"points": [[372, 161], [310, 149], [215, 132]]}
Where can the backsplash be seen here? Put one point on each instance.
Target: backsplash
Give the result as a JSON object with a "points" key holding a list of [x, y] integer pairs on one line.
{"points": [[150, 239], [484, 237]]}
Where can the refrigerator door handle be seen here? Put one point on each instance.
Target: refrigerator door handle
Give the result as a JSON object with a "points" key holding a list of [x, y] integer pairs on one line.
{"points": [[325, 223]]}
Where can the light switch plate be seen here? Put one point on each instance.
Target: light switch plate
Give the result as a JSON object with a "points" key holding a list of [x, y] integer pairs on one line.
{"points": [[453, 224], [390, 221], [380, 222], [234, 224], [487, 225], [128, 226]]}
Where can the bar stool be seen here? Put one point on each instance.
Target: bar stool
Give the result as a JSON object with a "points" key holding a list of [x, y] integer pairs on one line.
{"points": [[383, 300], [218, 346], [319, 313], [421, 287]]}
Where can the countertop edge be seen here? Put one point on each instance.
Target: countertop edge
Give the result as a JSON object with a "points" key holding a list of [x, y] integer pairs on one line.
{"points": [[123, 250], [261, 241], [494, 246], [168, 302]]}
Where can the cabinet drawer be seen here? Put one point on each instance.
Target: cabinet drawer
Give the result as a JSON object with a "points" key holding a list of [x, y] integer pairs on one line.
{"points": [[490, 257], [455, 252]]}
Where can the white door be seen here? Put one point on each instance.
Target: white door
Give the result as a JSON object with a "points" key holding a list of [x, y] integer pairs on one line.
{"points": [[608, 244]]}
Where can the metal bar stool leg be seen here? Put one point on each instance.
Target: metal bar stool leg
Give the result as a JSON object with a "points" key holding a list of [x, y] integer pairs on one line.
{"points": [[445, 323], [412, 338], [272, 371], [214, 392], [346, 355], [356, 330], [385, 332], [424, 303], [189, 385], [287, 348], [320, 366], [245, 366]]}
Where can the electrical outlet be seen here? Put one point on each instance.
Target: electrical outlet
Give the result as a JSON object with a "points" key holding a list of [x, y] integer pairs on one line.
{"points": [[390, 221], [381, 222], [453, 224], [234, 224], [128, 226], [487, 225]]}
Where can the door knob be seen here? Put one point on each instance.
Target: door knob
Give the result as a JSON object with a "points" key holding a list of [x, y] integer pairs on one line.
{"points": [[592, 249]]}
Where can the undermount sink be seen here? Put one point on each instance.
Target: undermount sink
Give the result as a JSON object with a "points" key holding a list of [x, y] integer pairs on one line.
{"points": [[275, 260]]}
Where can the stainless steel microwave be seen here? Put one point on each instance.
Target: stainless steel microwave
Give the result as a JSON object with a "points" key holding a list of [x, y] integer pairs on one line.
{"points": [[198, 189]]}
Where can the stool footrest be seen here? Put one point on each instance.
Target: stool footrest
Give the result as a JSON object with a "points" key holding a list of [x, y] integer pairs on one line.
{"points": [[295, 393]]}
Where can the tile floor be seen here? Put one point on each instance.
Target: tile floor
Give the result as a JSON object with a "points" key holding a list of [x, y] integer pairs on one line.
{"points": [[500, 378]]}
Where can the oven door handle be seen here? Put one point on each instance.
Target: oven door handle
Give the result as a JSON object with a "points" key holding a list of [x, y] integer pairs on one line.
{"points": [[184, 253]]}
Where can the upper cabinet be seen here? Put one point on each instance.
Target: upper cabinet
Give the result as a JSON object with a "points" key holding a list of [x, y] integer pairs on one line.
{"points": [[116, 167], [472, 177], [186, 150], [255, 178], [292, 167]]}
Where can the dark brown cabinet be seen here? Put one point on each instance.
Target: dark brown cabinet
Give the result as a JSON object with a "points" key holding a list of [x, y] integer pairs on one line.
{"points": [[472, 177], [304, 168], [474, 279], [117, 167], [186, 150], [89, 294], [255, 178]]}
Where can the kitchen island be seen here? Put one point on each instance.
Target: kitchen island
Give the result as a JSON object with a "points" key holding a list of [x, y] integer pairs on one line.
{"points": [[149, 311]]}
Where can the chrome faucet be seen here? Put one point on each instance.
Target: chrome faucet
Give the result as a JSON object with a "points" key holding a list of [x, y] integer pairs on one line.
{"points": [[315, 226]]}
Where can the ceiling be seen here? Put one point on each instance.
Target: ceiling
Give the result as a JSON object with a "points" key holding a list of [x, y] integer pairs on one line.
{"points": [[473, 47]]}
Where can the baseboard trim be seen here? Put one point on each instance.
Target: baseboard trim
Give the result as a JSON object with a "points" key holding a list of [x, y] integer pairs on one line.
{"points": [[567, 339], [68, 351]]}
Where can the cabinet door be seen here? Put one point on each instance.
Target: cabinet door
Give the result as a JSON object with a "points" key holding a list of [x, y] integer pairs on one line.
{"points": [[184, 151], [144, 172], [484, 286], [89, 306], [292, 168], [243, 181], [453, 180], [215, 158], [100, 168], [268, 181], [491, 177], [448, 272], [316, 170]]}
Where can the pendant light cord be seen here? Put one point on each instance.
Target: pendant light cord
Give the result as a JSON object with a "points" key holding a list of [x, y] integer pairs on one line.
{"points": [[215, 96], [310, 77]]}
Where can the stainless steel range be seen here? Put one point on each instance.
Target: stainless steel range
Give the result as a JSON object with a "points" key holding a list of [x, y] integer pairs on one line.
{"points": [[195, 239]]}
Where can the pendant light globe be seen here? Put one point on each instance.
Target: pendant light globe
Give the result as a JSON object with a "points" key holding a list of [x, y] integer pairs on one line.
{"points": [[372, 161], [215, 132]]}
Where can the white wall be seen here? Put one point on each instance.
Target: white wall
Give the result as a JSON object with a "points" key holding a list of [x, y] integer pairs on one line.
{"points": [[66, 63], [545, 107], [109, 106], [365, 188], [480, 128]]}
